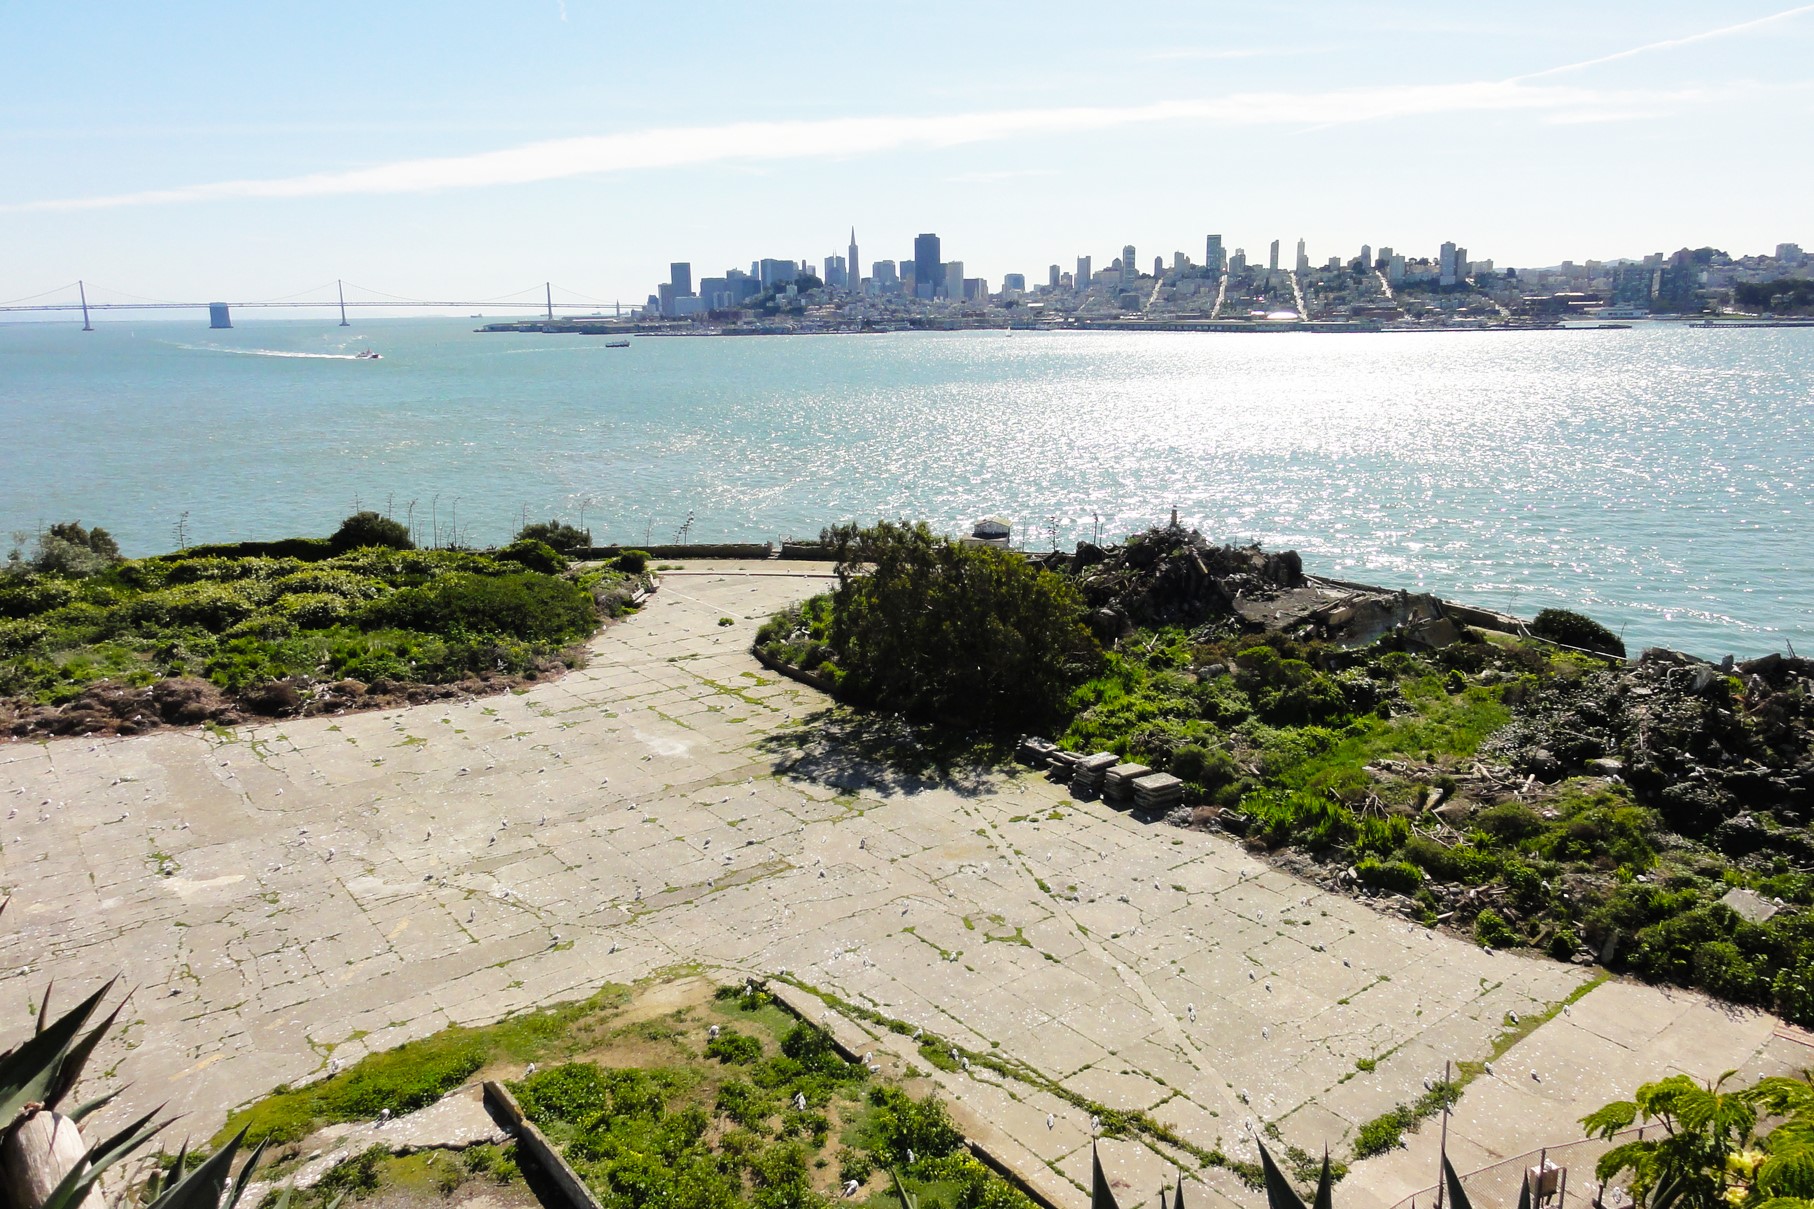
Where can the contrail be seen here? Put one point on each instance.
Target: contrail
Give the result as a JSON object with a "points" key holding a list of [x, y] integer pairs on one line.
{"points": [[1667, 43]]}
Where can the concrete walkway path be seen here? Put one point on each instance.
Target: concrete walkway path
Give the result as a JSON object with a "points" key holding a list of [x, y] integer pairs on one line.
{"points": [[329, 887]]}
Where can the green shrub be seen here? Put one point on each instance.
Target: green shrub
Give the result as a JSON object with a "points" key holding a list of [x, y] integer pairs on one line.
{"points": [[573, 1092], [365, 529], [357, 1176], [556, 534], [1491, 930], [632, 562], [1576, 630], [734, 1048], [533, 556], [526, 605], [1384, 1132], [1401, 877]]}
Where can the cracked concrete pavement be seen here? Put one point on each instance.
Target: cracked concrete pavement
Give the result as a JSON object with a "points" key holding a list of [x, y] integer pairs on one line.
{"points": [[336, 886]]}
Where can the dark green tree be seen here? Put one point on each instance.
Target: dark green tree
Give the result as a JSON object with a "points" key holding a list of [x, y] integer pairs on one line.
{"points": [[368, 528], [969, 635], [558, 534]]}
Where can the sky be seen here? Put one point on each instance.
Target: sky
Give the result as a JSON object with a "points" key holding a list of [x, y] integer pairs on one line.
{"points": [[466, 150]]}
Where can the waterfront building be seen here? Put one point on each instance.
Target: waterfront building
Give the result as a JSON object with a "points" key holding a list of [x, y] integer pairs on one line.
{"points": [[1082, 280], [852, 266], [715, 293], [1128, 271], [1303, 261], [680, 274], [953, 281], [1053, 278], [1212, 255], [926, 272], [664, 299]]}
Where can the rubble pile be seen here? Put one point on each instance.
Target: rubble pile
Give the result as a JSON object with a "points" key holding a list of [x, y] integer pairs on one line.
{"points": [[1173, 576], [1711, 748]]}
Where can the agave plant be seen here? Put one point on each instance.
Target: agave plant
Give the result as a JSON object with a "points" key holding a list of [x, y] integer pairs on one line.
{"points": [[1281, 1195], [44, 1162]]}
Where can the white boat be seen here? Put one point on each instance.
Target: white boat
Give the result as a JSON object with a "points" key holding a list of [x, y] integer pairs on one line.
{"points": [[368, 355]]}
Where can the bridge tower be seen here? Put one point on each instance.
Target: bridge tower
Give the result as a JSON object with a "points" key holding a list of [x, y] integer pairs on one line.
{"points": [[218, 316], [341, 286], [82, 289], [548, 286]]}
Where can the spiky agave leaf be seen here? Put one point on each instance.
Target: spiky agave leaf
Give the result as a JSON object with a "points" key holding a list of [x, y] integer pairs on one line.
{"points": [[1458, 1196], [102, 1155], [1279, 1192], [29, 1073], [204, 1187], [88, 1107], [1325, 1186], [1101, 1195], [1524, 1192], [69, 1070]]}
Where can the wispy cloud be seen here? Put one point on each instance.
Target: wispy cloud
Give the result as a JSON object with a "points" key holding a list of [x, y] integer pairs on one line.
{"points": [[1707, 35], [749, 142], [1211, 53]]}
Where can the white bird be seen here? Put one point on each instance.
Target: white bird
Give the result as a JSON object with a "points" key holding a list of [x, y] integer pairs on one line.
{"points": [[1269, 986], [712, 1032], [800, 1100], [916, 1034], [1190, 1009], [1428, 1084], [910, 1159], [850, 1188], [1050, 1120], [1488, 1067], [333, 1066], [1243, 1095], [1095, 1124], [1251, 976], [1512, 1016], [384, 1114], [1265, 1033], [966, 1065], [528, 1070], [863, 843]]}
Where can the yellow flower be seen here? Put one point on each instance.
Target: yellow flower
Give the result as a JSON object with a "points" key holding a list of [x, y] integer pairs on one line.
{"points": [[1736, 1194]]}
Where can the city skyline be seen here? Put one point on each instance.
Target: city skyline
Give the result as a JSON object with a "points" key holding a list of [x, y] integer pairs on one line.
{"points": [[208, 151]]}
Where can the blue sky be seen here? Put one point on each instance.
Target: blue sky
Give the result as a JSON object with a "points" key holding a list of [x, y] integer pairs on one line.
{"points": [[467, 150]]}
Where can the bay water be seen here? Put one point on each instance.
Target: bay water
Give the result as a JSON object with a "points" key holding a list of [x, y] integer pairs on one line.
{"points": [[1659, 478]]}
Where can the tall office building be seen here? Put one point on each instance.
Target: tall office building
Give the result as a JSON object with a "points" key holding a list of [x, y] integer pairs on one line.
{"points": [[1159, 266], [927, 275], [835, 276], [1180, 262], [1445, 265], [1303, 262], [882, 277], [1129, 270], [1238, 262], [953, 281], [1053, 277], [776, 272], [1272, 265], [1366, 256], [680, 274], [853, 266], [1016, 282], [1082, 279], [1395, 269], [1212, 255], [1463, 270]]}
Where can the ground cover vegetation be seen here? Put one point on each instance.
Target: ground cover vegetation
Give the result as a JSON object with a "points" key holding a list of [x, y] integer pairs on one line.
{"points": [[91, 641], [724, 1102], [1522, 792]]}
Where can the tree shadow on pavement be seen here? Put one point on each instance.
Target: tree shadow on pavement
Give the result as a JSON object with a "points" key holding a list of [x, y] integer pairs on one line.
{"points": [[848, 750]]}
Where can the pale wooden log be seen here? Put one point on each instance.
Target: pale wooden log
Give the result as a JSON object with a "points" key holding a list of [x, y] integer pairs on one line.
{"points": [[36, 1156]]}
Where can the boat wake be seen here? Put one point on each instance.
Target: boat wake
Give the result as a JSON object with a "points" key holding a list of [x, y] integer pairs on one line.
{"points": [[273, 352]]}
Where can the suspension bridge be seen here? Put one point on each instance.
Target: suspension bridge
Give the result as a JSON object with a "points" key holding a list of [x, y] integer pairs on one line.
{"points": [[74, 297]]}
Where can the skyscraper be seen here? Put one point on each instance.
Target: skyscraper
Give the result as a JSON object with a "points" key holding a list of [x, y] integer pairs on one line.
{"points": [[1303, 263], [953, 281], [680, 274], [1272, 266], [1445, 265], [1052, 277], [1082, 280], [835, 272], [927, 275], [1129, 270], [1212, 255], [1366, 257], [853, 266]]}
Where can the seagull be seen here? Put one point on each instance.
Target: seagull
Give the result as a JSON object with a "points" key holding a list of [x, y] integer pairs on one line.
{"points": [[1251, 976], [333, 1066], [1265, 1033], [1536, 1077], [910, 1159], [528, 1070], [800, 1100], [966, 1065], [1095, 1124], [1050, 1120], [916, 1034], [712, 1032], [1512, 1016], [1488, 1067], [1243, 1095], [1190, 1009], [1428, 1084], [850, 1188]]}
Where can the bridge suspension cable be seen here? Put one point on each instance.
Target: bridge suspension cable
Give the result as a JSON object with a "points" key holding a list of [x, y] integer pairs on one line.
{"points": [[34, 297]]}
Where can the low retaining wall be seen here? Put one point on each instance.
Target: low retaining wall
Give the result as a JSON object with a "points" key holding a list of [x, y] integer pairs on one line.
{"points": [[746, 550], [812, 679], [530, 1140], [811, 551]]}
